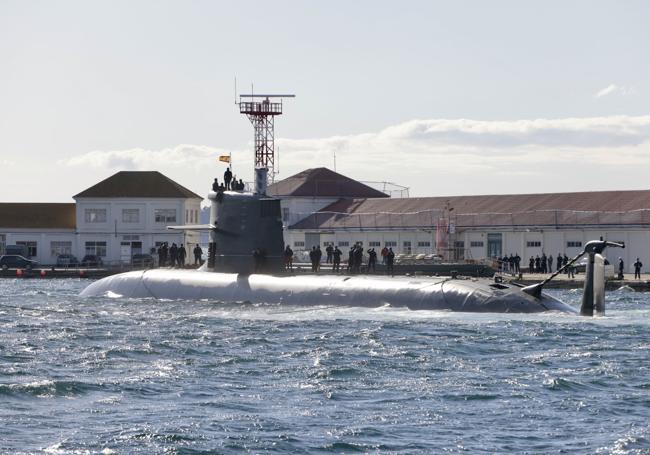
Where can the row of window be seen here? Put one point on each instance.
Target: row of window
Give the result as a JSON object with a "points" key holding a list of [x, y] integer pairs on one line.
{"points": [[371, 244], [133, 216], [569, 244], [427, 244]]}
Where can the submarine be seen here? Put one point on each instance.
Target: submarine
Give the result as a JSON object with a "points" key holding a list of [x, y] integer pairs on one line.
{"points": [[245, 264]]}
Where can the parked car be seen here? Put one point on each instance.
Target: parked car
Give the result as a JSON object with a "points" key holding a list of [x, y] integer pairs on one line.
{"points": [[15, 261], [91, 260], [67, 260], [142, 260]]}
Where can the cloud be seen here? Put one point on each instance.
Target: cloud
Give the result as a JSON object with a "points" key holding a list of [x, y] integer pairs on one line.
{"points": [[612, 89], [433, 156]]}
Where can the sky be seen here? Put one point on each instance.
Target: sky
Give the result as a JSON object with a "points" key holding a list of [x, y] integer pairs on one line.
{"points": [[446, 98]]}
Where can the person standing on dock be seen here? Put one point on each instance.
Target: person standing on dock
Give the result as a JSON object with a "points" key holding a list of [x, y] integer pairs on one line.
{"points": [[198, 252], [173, 255], [558, 264], [390, 260], [182, 253], [312, 258], [288, 258], [621, 268], [550, 263], [517, 261], [165, 252], [336, 257], [372, 259], [329, 250], [637, 269], [384, 253], [531, 265]]}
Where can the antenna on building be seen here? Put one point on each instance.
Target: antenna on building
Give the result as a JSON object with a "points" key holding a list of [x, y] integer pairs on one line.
{"points": [[261, 111]]}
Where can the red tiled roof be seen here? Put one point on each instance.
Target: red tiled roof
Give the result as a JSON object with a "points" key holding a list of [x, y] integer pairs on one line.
{"points": [[322, 182], [37, 215], [560, 209], [151, 184]]}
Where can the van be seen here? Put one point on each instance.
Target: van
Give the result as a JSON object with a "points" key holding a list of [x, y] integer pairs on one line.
{"points": [[20, 250]]}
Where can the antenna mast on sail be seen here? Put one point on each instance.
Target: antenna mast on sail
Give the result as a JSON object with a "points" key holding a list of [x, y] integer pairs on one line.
{"points": [[261, 110]]}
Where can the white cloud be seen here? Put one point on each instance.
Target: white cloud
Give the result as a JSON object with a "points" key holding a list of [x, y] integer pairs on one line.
{"points": [[433, 156], [612, 89]]}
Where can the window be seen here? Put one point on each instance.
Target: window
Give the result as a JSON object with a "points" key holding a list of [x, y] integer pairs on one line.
{"points": [[299, 244], [476, 244], [425, 243], [187, 216], [130, 215], [96, 248], [3, 243], [459, 244], [326, 244], [285, 214], [574, 244], [390, 243], [130, 237], [533, 244], [57, 248], [344, 243], [373, 244], [406, 246], [31, 247], [164, 215], [95, 215]]}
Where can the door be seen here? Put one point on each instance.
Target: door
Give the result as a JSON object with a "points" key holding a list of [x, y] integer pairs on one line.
{"points": [[136, 247], [125, 252], [494, 245], [312, 239]]}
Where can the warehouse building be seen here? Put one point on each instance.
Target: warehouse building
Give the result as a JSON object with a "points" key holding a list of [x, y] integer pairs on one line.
{"points": [[467, 227]]}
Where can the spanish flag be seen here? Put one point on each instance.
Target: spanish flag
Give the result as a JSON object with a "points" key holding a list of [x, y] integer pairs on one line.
{"points": [[225, 158]]}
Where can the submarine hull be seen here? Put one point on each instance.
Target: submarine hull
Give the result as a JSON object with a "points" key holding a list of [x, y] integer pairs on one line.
{"points": [[362, 291]]}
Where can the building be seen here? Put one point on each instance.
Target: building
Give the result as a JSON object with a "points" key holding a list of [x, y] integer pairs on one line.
{"points": [[475, 227], [46, 230], [310, 191], [125, 214]]}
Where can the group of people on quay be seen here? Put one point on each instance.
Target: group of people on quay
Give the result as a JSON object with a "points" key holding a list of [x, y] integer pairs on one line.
{"points": [[355, 259], [174, 256], [544, 264], [171, 256]]}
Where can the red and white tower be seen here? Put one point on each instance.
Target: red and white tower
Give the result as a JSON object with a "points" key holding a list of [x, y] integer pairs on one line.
{"points": [[261, 111]]}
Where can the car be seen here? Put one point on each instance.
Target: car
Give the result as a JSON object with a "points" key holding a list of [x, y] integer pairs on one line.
{"points": [[16, 261], [142, 260], [91, 260], [67, 260]]}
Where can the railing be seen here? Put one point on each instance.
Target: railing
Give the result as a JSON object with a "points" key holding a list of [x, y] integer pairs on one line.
{"points": [[263, 107]]}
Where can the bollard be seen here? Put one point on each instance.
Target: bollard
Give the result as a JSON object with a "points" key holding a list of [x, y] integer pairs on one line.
{"points": [[19, 272], [82, 274], [42, 273]]}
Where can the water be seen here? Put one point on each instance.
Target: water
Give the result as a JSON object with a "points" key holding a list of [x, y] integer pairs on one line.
{"points": [[142, 376]]}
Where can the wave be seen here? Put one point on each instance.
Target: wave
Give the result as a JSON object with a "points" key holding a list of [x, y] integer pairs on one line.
{"points": [[48, 389]]}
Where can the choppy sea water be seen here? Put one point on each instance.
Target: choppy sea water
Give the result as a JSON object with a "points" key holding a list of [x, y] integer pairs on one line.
{"points": [[142, 376]]}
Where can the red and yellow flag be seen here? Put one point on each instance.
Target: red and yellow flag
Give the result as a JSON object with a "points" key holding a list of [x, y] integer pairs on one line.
{"points": [[225, 158]]}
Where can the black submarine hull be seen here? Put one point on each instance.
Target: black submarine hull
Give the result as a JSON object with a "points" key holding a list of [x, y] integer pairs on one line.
{"points": [[466, 295]]}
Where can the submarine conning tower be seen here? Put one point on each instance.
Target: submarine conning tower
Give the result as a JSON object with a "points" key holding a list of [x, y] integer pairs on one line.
{"points": [[247, 234]]}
